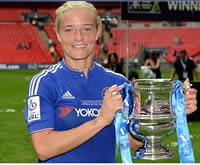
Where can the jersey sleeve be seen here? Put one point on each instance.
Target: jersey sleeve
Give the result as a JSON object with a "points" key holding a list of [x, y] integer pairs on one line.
{"points": [[39, 110]]}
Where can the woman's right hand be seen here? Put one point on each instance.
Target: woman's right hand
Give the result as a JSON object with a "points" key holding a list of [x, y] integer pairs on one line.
{"points": [[112, 102]]}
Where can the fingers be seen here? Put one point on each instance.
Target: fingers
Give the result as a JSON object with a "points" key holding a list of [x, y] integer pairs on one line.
{"points": [[191, 101], [114, 90], [191, 95], [187, 80], [114, 97], [112, 102], [191, 109], [192, 91]]}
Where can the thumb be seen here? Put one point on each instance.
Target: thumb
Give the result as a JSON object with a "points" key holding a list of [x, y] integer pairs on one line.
{"points": [[187, 80]]}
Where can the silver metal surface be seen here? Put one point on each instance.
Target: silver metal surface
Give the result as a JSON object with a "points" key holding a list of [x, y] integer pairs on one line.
{"points": [[154, 116], [186, 86]]}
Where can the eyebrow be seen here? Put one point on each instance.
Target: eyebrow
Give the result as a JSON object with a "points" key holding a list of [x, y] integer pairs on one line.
{"points": [[83, 25], [88, 24]]}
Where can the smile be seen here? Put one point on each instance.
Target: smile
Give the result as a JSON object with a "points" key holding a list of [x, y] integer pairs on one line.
{"points": [[79, 46]]}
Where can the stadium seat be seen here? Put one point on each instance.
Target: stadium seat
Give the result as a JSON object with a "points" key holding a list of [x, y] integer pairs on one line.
{"points": [[14, 34], [156, 37]]}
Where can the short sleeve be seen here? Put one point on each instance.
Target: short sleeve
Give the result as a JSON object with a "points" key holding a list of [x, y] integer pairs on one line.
{"points": [[39, 110]]}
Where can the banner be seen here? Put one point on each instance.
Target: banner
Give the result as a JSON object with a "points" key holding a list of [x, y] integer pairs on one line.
{"points": [[161, 11], [24, 66]]}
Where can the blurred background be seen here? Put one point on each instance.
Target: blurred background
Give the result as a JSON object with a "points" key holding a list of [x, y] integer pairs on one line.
{"points": [[28, 44]]}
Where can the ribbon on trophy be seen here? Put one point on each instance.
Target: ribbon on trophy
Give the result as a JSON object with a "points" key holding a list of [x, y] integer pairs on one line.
{"points": [[121, 123], [184, 144]]}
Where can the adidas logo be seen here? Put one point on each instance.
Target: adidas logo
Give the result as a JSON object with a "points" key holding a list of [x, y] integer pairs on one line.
{"points": [[67, 95]]}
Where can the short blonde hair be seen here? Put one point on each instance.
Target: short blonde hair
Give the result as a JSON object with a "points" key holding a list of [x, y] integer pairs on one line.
{"points": [[71, 5]]}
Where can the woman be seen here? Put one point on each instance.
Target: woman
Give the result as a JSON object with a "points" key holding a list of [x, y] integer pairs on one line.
{"points": [[113, 63], [153, 63], [71, 106]]}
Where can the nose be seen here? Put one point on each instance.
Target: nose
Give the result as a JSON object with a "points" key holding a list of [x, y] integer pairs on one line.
{"points": [[78, 35]]}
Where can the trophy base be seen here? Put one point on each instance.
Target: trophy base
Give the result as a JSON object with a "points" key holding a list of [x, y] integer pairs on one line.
{"points": [[156, 153]]}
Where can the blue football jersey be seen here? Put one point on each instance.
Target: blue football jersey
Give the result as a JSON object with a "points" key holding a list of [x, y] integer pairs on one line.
{"points": [[61, 98]]}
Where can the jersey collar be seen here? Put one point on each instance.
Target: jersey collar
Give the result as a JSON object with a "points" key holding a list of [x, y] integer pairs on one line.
{"points": [[66, 66]]}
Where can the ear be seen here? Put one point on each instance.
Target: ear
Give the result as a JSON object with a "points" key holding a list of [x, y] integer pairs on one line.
{"points": [[58, 37], [99, 32]]}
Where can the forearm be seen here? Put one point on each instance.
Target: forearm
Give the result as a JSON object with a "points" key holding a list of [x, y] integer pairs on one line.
{"points": [[155, 66], [51, 143], [173, 73], [48, 144], [134, 143], [196, 74]]}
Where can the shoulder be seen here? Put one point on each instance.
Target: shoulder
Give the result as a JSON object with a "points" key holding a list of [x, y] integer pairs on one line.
{"points": [[44, 78], [147, 60], [191, 61], [177, 60], [110, 74], [190, 58]]}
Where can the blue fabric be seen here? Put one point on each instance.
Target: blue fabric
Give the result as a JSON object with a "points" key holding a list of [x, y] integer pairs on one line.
{"points": [[67, 100], [121, 123], [184, 144]]}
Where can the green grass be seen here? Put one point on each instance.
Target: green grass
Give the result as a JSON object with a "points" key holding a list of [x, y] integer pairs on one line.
{"points": [[164, 73], [15, 142]]}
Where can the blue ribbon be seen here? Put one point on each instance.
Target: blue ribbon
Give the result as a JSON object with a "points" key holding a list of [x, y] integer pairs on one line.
{"points": [[121, 123], [184, 144], [134, 125]]}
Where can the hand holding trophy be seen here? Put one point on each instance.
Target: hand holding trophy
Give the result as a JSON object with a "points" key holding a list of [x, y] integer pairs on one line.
{"points": [[159, 110]]}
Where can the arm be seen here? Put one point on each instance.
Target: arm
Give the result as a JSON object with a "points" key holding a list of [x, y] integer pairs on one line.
{"points": [[196, 74], [156, 66], [173, 73], [50, 143], [134, 143], [146, 62]]}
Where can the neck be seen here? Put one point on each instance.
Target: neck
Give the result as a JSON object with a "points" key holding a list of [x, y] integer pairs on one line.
{"points": [[80, 65]]}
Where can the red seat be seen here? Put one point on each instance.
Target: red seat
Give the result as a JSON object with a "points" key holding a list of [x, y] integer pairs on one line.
{"points": [[12, 35], [156, 37]]}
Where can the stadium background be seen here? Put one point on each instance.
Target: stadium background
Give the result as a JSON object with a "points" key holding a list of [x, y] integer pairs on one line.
{"points": [[17, 66]]}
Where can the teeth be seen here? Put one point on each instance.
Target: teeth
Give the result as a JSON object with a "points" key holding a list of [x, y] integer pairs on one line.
{"points": [[78, 46]]}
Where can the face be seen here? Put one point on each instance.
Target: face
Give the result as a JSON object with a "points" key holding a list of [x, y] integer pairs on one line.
{"points": [[182, 56], [78, 34], [151, 56], [113, 60]]}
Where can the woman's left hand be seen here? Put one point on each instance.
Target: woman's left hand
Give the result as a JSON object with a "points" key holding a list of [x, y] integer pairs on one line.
{"points": [[190, 99]]}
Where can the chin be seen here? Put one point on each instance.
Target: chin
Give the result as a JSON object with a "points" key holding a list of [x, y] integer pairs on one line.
{"points": [[80, 57]]}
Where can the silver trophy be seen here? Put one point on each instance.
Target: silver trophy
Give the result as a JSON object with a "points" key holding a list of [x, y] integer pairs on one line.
{"points": [[153, 118]]}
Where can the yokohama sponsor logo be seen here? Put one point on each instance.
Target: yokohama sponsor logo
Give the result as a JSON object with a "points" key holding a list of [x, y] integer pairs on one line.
{"points": [[87, 112]]}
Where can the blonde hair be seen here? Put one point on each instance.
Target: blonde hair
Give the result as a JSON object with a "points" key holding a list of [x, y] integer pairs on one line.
{"points": [[71, 5]]}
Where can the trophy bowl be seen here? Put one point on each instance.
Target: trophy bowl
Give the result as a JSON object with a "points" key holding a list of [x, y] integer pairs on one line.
{"points": [[153, 118]]}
